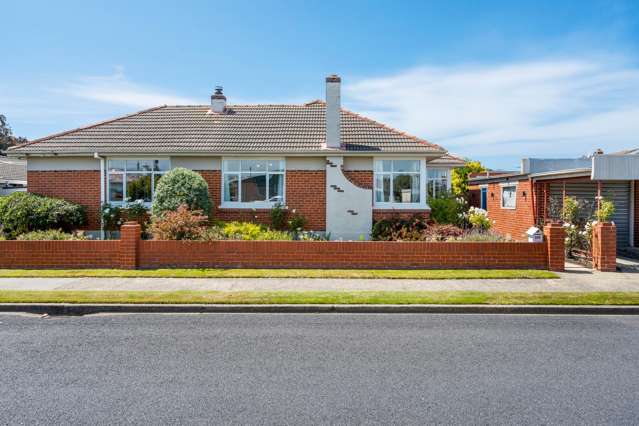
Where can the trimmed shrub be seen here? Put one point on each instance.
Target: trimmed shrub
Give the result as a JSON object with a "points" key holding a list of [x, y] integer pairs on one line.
{"points": [[51, 235], [446, 210], [22, 212], [181, 186], [182, 224], [252, 232]]}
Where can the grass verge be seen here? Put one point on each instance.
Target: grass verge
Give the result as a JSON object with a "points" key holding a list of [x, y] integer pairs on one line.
{"points": [[428, 274], [321, 297]]}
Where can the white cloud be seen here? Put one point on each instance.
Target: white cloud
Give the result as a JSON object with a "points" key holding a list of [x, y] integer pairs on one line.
{"points": [[116, 89], [539, 108]]}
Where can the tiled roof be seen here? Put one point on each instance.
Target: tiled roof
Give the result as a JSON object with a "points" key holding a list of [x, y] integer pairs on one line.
{"points": [[13, 170], [241, 129], [447, 159]]}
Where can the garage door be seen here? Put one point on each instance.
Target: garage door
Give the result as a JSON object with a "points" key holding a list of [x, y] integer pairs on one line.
{"points": [[618, 192]]}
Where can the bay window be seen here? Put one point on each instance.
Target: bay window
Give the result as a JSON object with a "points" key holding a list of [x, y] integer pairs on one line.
{"points": [[399, 183], [252, 182], [438, 182], [133, 180]]}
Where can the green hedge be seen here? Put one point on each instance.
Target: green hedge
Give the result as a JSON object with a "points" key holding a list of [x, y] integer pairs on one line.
{"points": [[23, 212]]}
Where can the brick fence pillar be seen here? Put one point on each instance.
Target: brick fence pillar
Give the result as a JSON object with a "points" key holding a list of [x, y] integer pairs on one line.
{"points": [[604, 247], [555, 245], [129, 242]]}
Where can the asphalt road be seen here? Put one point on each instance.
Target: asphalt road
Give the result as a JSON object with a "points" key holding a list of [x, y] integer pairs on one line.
{"points": [[326, 368]]}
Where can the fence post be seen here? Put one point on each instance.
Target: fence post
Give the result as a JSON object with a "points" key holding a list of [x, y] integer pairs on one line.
{"points": [[604, 246], [129, 243], [555, 246]]}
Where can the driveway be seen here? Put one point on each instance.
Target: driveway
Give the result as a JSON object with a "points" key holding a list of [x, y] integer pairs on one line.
{"points": [[575, 279]]}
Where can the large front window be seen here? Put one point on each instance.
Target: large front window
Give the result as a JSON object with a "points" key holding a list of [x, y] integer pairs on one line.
{"points": [[437, 182], [399, 182], [133, 180], [253, 183]]}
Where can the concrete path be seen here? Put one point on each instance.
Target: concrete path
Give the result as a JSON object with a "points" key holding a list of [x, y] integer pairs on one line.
{"points": [[575, 279]]}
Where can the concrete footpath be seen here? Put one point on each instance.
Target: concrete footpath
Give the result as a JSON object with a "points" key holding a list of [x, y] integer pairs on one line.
{"points": [[575, 279]]}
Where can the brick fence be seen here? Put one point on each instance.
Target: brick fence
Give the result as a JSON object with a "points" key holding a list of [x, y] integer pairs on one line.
{"points": [[604, 247], [131, 252]]}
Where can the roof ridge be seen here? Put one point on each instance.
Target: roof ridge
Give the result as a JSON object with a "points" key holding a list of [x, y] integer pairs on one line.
{"points": [[89, 126]]}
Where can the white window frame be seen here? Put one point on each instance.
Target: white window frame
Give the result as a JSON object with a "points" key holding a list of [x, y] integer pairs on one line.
{"points": [[449, 172], [252, 204], [124, 174], [422, 205], [501, 201]]}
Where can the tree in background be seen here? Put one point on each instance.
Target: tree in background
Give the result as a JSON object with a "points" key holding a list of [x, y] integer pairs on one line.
{"points": [[459, 178], [6, 136]]}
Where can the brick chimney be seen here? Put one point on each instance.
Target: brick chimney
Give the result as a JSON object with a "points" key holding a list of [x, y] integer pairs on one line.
{"points": [[333, 117], [218, 100]]}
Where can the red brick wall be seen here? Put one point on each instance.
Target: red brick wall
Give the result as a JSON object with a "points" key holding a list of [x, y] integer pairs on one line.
{"points": [[513, 222], [379, 214], [338, 254], [131, 252], [78, 186], [305, 193], [360, 178], [59, 254]]}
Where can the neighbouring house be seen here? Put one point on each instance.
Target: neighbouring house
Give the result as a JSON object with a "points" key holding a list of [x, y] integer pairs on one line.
{"points": [[535, 194], [339, 169], [13, 175]]}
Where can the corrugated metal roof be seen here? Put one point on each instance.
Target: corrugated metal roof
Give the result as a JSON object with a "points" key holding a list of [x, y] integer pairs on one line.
{"points": [[242, 128]]}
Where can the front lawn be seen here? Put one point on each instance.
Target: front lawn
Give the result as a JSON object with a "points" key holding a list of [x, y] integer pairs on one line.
{"points": [[428, 274], [321, 297]]}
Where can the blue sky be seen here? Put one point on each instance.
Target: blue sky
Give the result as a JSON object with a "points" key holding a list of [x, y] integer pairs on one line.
{"points": [[494, 81]]}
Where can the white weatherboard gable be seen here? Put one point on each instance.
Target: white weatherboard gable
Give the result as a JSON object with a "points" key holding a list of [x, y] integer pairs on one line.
{"points": [[349, 209]]}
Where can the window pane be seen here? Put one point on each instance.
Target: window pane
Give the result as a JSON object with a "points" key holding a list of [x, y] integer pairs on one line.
{"points": [[138, 187], [276, 188], [232, 165], [382, 188], [383, 165], [253, 166], [253, 187], [231, 188], [406, 166], [116, 165], [160, 165], [116, 188], [156, 179], [406, 188], [437, 174], [430, 187], [508, 196], [139, 165], [276, 165]]}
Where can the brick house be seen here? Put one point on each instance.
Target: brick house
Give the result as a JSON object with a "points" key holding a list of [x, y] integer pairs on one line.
{"points": [[339, 169], [518, 200]]}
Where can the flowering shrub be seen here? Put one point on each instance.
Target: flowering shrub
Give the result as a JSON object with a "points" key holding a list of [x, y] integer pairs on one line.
{"points": [[605, 211], [297, 222], [51, 234], [478, 218], [182, 224], [438, 232], [278, 216], [251, 231]]}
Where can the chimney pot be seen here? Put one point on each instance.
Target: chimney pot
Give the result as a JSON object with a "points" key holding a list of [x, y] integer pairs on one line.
{"points": [[218, 100], [333, 112]]}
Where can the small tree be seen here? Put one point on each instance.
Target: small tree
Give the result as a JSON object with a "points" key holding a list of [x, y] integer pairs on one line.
{"points": [[605, 211], [181, 186], [459, 176]]}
